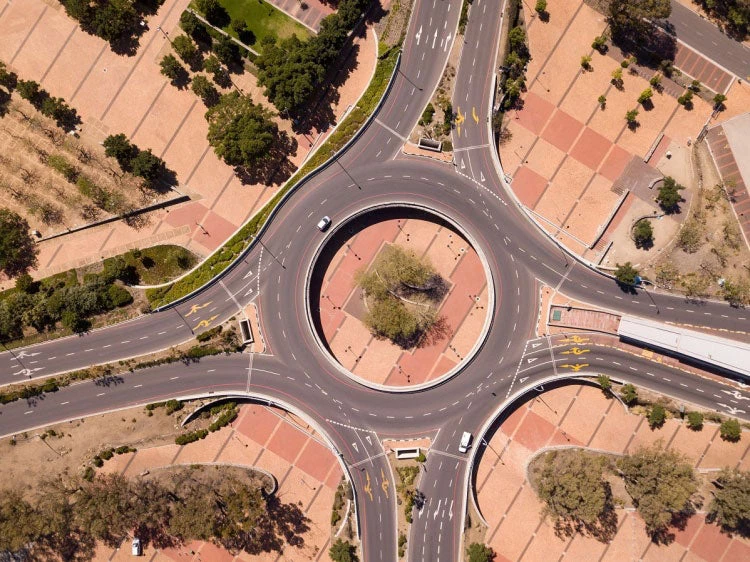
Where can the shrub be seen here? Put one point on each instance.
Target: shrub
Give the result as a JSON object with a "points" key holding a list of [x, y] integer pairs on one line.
{"points": [[541, 7], [656, 416], [686, 99], [655, 80], [695, 421], [605, 383], [173, 406], [643, 234], [66, 169], [97, 461], [586, 62], [629, 394], [602, 101], [599, 43], [225, 418], [730, 430], [208, 334], [632, 117], [190, 437], [719, 100], [645, 96], [626, 274], [107, 454], [119, 296], [427, 114]]}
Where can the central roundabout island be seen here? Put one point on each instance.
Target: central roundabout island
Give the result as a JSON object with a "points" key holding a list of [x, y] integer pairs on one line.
{"points": [[399, 298]]}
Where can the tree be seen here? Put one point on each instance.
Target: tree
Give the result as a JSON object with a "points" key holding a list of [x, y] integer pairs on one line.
{"points": [[478, 552], [632, 118], [240, 131], [617, 78], [186, 50], [171, 68], [629, 394], [655, 81], [203, 88], [18, 253], [686, 99], [389, 318], [25, 283], [628, 17], [227, 50], [626, 274], [576, 497], [28, 90], [7, 79], [147, 165], [643, 234], [736, 293], [600, 43], [730, 506], [669, 195], [586, 62], [695, 421], [602, 101], [661, 484], [20, 524], [119, 147], [343, 551], [541, 8], [719, 100], [214, 12], [656, 416], [730, 430], [645, 96]]}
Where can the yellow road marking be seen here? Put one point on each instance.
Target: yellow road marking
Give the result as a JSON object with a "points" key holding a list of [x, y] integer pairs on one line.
{"points": [[474, 115], [575, 339], [575, 351], [576, 367], [460, 118], [384, 484], [368, 487], [196, 307], [205, 323], [647, 353]]}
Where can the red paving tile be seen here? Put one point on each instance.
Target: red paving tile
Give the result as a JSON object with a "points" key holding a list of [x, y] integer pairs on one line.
{"points": [[212, 552], [535, 113], [287, 442], [686, 535], [316, 460], [710, 543], [591, 148], [258, 424], [444, 365], [562, 130], [615, 163], [334, 477], [331, 321], [661, 149], [528, 186], [737, 551], [560, 438], [216, 230], [510, 424], [534, 432]]}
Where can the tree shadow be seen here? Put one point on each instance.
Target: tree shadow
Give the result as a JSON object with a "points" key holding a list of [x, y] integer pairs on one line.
{"points": [[275, 168]]}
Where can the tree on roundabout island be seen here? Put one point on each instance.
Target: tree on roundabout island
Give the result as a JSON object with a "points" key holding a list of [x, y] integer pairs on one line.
{"points": [[402, 292]]}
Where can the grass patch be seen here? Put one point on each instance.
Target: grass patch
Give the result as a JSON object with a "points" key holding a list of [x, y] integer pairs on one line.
{"points": [[263, 19], [219, 261]]}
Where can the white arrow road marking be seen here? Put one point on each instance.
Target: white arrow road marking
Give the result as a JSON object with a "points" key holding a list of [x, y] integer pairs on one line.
{"points": [[447, 41], [481, 176], [535, 345], [437, 509], [450, 511], [434, 39], [419, 34], [355, 447], [731, 410], [367, 438], [463, 166], [531, 359], [736, 394], [523, 379], [27, 372], [249, 273]]}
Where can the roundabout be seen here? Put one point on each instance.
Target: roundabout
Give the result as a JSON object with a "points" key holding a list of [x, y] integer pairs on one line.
{"points": [[289, 273], [459, 307]]}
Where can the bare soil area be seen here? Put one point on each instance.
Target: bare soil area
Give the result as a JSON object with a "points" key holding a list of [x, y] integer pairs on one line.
{"points": [[709, 245], [67, 448], [57, 181]]}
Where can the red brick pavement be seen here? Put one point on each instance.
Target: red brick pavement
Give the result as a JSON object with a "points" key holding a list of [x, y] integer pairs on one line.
{"points": [[536, 111], [615, 163], [562, 130], [529, 186], [287, 442], [591, 148], [698, 67]]}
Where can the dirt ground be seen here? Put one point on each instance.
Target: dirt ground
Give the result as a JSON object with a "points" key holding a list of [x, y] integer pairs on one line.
{"points": [[720, 253], [39, 193], [74, 443]]}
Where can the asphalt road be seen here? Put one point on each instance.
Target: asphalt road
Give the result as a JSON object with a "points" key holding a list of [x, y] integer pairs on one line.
{"points": [[297, 372], [706, 38]]}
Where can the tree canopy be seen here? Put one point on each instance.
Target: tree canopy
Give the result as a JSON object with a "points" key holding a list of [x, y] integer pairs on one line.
{"points": [[18, 253], [576, 496], [669, 195], [662, 485], [478, 552], [241, 132], [730, 506]]}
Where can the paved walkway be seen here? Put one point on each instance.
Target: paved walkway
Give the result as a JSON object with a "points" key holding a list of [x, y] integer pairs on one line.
{"points": [[115, 94], [267, 438], [464, 307], [582, 416], [307, 12]]}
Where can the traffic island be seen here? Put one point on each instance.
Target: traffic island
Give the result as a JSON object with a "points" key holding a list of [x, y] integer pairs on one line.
{"points": [[430, 326]]}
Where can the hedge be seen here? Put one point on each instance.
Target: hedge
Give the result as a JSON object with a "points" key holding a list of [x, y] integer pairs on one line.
{"points": [[186, 438], [219, 261]]}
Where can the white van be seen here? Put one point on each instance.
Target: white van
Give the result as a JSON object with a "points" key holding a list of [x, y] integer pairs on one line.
{"points": [[136, 549], [465, 442]]}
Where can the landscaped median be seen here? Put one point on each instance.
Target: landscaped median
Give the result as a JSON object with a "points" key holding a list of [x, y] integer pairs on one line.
{"points": [[347, 130]]}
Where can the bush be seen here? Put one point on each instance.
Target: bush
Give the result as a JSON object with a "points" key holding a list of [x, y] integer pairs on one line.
{"points": [[602, 101], [632, 117], [600, 43], [629, 394], [541, 7], [208, 334], [478, 552], [695, 421], [686, 99], [643, 234], [225, 418], [656, 416], [119, 296], [626, 274], [427, 114], [173, 406], [645, 96], [586, 62], [719, 100], [605, 383], [186, 438], [97, 461], [730, 430]]}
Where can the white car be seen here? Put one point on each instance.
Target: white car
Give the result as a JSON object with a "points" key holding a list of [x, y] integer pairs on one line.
{"points": [[324, 223], [136, 549], [465, 442]]}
